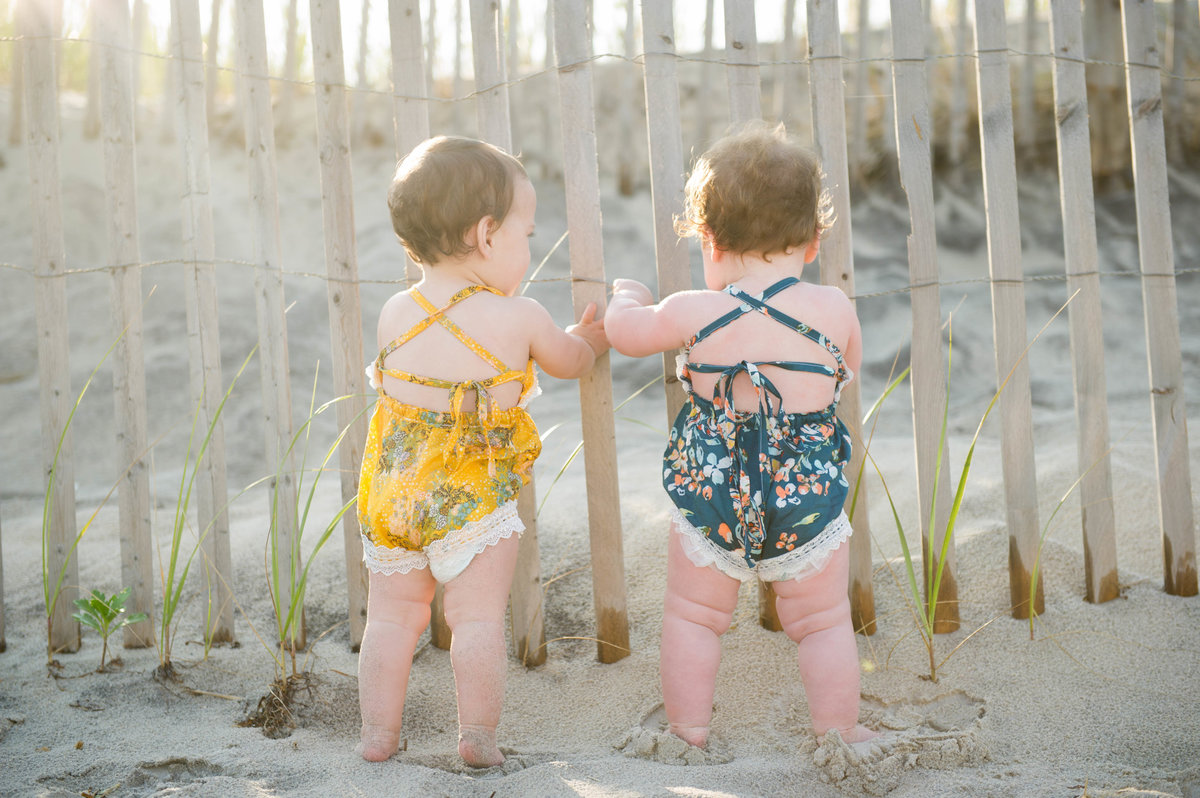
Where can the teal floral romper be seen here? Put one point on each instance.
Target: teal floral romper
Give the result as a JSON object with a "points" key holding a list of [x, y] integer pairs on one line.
{"points": [[758, 493]]}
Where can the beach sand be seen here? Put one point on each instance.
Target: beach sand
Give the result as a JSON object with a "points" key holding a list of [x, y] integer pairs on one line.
{"points": [[1103, 701]]}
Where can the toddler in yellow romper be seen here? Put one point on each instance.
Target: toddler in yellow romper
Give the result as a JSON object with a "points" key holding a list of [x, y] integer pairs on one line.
{"points": [[450, 441]]}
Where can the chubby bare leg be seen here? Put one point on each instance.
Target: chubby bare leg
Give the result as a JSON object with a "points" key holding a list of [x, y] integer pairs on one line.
{"points": [[476, 601], [397, 613], [698, 609], [815, 613]]}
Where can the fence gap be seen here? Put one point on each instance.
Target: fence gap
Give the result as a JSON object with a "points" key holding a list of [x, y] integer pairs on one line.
{"points": [[581, 172], [129, 368], [837, 268], [204, 346], [928, 377], [1157, 256], [341, 265], [212, 51], [1084, 312], [49, 257]]}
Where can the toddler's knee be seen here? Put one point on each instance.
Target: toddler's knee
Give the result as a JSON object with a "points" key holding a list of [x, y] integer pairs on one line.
{"points": [[408, 614], [801, 626], [715, 619]]}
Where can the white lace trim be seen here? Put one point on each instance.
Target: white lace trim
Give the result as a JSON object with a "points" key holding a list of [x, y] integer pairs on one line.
{"points": [[456, 549], [532, 393], [809, 559]]}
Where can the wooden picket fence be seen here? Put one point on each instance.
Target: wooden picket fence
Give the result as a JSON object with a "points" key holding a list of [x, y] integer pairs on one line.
{"points": [[908, 130]]}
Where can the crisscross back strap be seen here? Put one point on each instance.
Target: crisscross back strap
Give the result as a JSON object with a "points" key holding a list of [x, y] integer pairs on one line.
{"points": [[438, 316], [752, 303]]}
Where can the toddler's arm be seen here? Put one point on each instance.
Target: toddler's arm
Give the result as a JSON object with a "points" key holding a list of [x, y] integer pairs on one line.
{"points": [[636, 326], [570, 353]]}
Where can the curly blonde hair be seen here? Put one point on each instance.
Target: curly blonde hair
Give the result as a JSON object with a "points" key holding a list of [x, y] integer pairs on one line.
{"points": [[443, 188], [755, 190]]}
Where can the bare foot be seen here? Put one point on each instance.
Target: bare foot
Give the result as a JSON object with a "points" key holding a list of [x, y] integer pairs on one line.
{"points": [[477, 747], [377, 743], [692, 735], [859, 734]]}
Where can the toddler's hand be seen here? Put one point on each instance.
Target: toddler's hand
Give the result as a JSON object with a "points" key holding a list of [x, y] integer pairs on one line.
{"points": [[591, 330], [632, 289]]}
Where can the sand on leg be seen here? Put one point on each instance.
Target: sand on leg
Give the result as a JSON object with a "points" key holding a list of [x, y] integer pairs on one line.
{"points": [[397, 614], [698, 609], [476, 601], [815, 613]]}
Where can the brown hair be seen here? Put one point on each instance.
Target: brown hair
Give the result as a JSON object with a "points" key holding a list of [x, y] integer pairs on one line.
{"points": [[443, 188], [757, 191]]}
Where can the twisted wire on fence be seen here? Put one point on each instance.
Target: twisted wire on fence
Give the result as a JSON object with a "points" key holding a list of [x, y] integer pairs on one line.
{"points": [[637, 59], [904, 289]]}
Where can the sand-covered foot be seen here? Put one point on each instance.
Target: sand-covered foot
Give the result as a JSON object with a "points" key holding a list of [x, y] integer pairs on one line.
{"points": [[477, 746], [652, 739], [377, 744], [940, 733]]}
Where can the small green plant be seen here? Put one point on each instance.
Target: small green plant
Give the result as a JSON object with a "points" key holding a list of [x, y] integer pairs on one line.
{"points": [[174, 574], [105, 615], [924, 607], [273, 711]]}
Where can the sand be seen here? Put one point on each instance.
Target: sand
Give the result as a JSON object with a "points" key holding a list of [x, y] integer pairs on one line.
{"points": [[1103, 701]]}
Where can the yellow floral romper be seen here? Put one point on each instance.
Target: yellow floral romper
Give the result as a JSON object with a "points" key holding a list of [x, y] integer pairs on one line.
{"points": [[438, 488]]}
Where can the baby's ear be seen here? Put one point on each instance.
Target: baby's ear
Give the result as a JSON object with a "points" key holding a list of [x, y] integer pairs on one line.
{"points": [[479, 234], [811, 249]]}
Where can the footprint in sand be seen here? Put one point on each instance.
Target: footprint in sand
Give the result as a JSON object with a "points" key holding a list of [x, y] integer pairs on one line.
{"points": [[651, 740], [453, 763], [941, 732]]}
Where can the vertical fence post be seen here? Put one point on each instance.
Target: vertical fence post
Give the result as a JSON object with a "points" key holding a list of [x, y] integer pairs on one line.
{"points": [[410, 114], [665, 138], [837, 268], [212, 51], [1008, 304], [129, 368], [862, 70], [410, 93], [1157, 256], [1084, 312], [49, 257], [341, 265], [745, 104], [528, 618], [204, 347], [928, 378], [741, 61], [958, 87], [268, 273], [573, 48]]}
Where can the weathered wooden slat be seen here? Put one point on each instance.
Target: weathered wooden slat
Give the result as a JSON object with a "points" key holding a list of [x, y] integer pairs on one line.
{"points": [[959, 96], [129, 368], [928, 378], [1008, 304], [410, 118], [492, 106], [204, 345], [1084, 312], [49, 258], [410, 103], [273, 365], [665, 138], [745, 104], [837, 268], [341, 267], [581, 172], [1157, 255], [741, 61]]}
